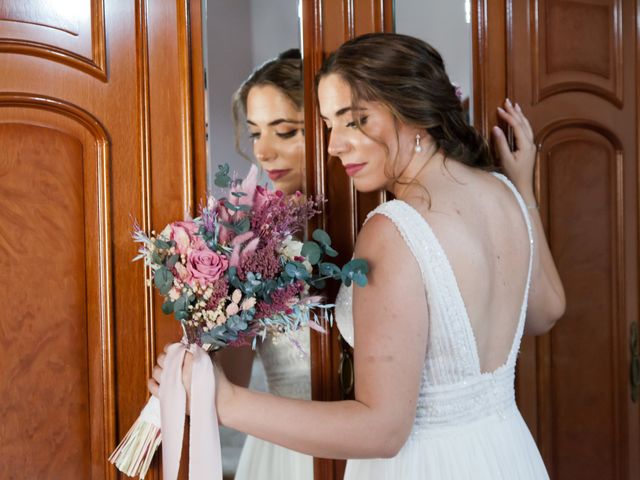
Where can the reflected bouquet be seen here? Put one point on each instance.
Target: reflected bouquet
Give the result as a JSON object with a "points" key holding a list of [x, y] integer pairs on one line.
{"points": [[230, 276]]}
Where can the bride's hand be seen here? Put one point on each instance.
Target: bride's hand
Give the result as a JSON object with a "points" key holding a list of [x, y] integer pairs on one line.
{"points": [[224, 388], [153, 384], [518, 164]]}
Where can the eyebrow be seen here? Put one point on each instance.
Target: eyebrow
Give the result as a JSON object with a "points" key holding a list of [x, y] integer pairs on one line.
{"points": [[278, 122], [342, 111]]}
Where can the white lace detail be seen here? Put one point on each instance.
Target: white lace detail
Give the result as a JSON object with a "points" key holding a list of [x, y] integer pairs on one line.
{"points": [[453, 389], [287, 367]]}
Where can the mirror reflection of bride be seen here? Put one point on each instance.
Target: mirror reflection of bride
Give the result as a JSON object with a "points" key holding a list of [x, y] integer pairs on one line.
{"points": [[269, 105]]}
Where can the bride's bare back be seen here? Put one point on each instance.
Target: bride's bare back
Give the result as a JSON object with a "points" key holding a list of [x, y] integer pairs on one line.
{"points": [[482, 230]]}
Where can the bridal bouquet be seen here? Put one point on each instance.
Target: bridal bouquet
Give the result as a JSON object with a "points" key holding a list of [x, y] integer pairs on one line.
{"points": [[230, 276]]}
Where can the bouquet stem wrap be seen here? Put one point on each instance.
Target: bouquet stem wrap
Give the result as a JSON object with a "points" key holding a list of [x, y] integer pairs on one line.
{"points": [[205, 460], [133, 455]]}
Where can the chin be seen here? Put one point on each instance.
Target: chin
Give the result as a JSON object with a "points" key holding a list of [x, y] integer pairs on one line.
{"points": [[366, 185]]}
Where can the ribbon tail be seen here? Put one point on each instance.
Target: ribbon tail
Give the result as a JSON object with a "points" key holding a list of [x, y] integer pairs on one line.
{"points": [[172, 410], [205, 458]]}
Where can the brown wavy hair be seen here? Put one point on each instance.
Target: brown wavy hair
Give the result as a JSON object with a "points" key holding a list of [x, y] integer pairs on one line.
{"points": [[407, 76], [283, 73]]}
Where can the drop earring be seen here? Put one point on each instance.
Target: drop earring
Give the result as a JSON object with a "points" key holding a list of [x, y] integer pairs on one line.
{"points": [[418, 147]]}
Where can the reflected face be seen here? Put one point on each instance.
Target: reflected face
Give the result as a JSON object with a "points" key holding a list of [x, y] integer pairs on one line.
{"points": [[364, 157], [276, 129]]}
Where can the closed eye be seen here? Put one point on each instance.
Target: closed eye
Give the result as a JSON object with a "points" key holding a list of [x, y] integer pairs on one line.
{"points": [[289, 134], [353, 124]]}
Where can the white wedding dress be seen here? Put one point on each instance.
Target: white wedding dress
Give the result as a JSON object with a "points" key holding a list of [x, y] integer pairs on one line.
{"points": [[467, 425], [288, 375]]}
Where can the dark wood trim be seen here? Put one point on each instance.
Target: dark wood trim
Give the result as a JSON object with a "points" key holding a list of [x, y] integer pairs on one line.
{"points": [[326, 25]]}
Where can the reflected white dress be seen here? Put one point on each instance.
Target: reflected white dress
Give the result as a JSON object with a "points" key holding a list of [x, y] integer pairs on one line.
{"points": [[467, 424], [288, 375]]}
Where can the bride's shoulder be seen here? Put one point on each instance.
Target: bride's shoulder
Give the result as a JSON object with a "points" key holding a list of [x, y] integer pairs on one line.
{"points": [[380, 234]]}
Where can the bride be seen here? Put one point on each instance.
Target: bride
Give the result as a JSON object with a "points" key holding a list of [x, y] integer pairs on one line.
{"points": [[460, 269]]}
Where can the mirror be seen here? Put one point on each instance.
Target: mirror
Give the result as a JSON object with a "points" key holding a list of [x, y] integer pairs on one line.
{"points": [[255, 114], [446, 25]]}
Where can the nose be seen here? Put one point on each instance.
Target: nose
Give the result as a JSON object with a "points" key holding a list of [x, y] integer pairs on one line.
{"points": [[263, 150], [337, 145]]}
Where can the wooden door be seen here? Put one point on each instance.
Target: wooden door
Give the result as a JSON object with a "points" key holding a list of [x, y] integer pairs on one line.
{"points": [[573, 66], [96, 128]]}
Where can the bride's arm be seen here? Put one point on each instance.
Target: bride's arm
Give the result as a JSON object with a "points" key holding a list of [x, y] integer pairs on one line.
{"points": [[390, 321], [391, 324], [547, 301]]}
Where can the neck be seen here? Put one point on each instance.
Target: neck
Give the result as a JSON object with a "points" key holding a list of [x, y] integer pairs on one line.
{"points": [[417, 173]]}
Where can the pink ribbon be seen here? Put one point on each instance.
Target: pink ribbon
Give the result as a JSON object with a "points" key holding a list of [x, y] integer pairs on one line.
{"points": [[205, 461]]}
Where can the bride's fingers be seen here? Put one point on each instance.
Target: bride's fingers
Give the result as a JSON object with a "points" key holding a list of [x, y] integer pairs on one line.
{"points": [[157, 373], [518, 129], [153, 387], [504, 152], [166, 347], [525, 122]]}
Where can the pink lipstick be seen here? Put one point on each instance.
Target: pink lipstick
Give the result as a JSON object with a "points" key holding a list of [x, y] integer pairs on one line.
{"points": [[275, 175], [353, 168]]}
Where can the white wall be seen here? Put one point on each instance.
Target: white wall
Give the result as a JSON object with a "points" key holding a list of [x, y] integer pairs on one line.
{"points": [[443, 24]]}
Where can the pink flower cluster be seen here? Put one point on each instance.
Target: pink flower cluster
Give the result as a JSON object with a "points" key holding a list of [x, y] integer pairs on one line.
{"points": [[198, 264], [281, 301]]}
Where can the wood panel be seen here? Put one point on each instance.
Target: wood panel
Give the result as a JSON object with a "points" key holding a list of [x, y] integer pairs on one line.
{"points": [[96, 151], [577, 46], [56, 160], [41, 171], [73, 35], [572, 67], [582, 173]]}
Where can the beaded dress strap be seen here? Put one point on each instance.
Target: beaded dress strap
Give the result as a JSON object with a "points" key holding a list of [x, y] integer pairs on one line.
{"points": [[523, 309]]}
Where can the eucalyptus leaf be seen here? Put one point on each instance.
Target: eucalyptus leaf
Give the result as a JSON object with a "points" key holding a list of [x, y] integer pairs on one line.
{"points": [[360, 279], [222, 178], [162, 244], [312, 252], [167, 307], [222, 181], [322, 237], [290, 269], [230, 206], [243, 225], [173, 259], [329, 269], [330, 251], [180, 304], [181, 315], [163, 279], [155, 257]]}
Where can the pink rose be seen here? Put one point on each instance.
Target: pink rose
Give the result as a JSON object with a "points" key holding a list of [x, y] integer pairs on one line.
{"points": [[183, 233], [205, 265]]}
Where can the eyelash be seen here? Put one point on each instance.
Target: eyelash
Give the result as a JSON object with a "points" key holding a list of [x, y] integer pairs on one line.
{"points": [[363, 121], [284, 135], [289, 134]]}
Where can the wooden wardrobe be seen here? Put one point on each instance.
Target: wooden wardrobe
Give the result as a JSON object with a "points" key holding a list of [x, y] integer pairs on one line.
{"points": [[101, 122]]}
